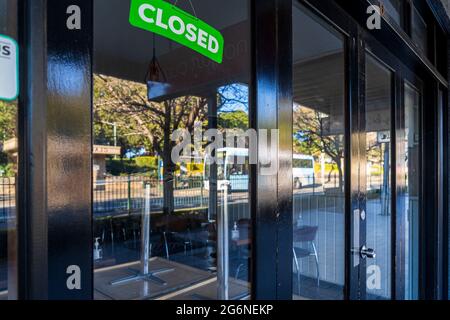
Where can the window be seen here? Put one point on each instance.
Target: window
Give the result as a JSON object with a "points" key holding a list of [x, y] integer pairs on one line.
{"points": [[318, 161], [299, 163], [394, 9], [379, 190], [419, 31], [408, 187], [164, 227], [8, 166]]}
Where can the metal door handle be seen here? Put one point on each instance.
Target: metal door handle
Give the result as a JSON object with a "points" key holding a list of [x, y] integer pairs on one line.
{"points": [[367, 253]]}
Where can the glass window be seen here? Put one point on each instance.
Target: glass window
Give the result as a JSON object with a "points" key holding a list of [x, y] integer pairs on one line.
{"points": [[419, 31], [408, 149], [409, 195], [318, 161], [378, 157], [394, 9], [167, 224], [8, 168]]}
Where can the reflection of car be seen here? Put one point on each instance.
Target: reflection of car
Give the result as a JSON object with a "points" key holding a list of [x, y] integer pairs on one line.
{"points": [[232, 170], [303, 170]]}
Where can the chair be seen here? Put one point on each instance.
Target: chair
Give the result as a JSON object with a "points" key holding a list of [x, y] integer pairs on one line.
{"points": [[177, 230], [244, 226], [305, 235]]}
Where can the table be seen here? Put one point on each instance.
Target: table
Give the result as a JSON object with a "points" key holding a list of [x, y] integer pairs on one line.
{"points": [[183, 276], [184, 283], [207, 290]]}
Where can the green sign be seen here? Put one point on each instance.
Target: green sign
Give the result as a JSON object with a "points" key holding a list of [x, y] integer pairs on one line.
{"points": [[9, 68], [167, 20]]}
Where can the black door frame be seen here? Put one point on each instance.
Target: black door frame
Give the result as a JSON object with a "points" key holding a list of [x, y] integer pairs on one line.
{"points": [[45, 246], [55, 147]]}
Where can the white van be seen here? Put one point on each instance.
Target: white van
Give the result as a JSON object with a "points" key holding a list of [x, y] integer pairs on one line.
{"points": [[229, 172], [303, 171]]}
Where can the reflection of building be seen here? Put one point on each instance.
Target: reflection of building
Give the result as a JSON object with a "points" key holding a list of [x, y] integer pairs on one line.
{"points": [[386, 153], [99, 161]]}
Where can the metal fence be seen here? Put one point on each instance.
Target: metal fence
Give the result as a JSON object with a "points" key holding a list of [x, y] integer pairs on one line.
{"points": [[126, 194], [7, 198]]}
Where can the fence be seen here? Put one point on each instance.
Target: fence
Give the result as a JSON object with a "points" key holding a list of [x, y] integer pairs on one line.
{"points": [[126, 194], [7, 199]]}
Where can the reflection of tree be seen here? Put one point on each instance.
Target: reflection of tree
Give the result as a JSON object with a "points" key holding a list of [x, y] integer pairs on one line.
{"points": [[233, 107], [144, 123], [233, 97], [312, 134]]}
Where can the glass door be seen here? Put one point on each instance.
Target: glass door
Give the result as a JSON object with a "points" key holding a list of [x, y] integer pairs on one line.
{"points": [[377, 218], [319, 106], [387, 222], [171, 155]]}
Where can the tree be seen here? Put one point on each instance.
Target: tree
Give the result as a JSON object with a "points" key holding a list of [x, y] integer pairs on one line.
{"points": [[313, 132], [144, 123], [8, 117]]}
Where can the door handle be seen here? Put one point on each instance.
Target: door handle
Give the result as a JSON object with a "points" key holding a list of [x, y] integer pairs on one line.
{"points": [[367, 253]]}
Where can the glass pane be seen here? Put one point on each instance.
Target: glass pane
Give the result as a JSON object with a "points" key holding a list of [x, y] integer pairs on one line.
{"points": [[408, 188], [171, 224], [8, 166], [419, 32], [318, 162], [378, 156]]}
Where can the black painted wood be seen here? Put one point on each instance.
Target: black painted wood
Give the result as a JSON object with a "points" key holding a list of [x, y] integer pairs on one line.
{"points": [[32, 215], [272, 193], [69, 148]]}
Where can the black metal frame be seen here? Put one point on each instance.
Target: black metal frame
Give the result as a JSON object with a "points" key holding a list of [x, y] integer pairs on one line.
{"points": [[32, 263], [55, 227]]}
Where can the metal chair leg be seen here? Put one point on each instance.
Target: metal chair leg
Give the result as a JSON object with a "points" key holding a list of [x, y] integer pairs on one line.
{"points": [[298, 270], [166, 245], [316, 256], [238, 270]]}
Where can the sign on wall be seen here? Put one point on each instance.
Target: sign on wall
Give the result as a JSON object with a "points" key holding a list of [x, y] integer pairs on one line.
{"points": [[9, 73], [169, 21]]}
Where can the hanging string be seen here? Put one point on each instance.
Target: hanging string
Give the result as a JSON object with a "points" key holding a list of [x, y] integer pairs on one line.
{"points": [[155, 71], [192, 6]]}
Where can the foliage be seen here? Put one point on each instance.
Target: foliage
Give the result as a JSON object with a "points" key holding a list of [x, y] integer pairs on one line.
{"points": [[237, 120], [118, 167], [313, 135], [8, 116], [147, 162]]}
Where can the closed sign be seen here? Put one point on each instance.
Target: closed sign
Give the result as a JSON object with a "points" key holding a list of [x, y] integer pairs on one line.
{"points": [[169, 21], [9, 80]]}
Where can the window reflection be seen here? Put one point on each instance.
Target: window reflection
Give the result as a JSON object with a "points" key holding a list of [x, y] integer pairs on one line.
{"points": [[8, 169], [165, 228], [394, 9], [419, 31], [318, 161], [378, 157], [8, 174], [408, 196]]}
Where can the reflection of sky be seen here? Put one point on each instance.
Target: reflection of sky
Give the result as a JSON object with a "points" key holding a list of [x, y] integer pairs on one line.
{"points": [[72, 70], [235, 98]]}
